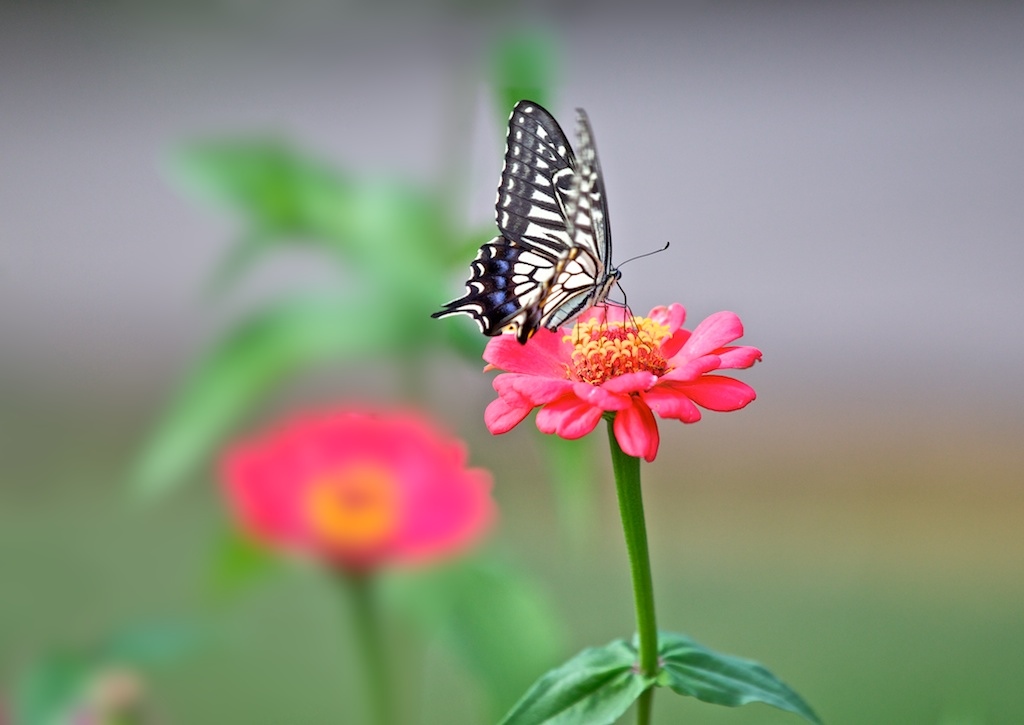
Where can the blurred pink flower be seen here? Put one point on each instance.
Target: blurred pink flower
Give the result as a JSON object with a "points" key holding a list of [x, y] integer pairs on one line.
{"points": [[630, 370], [358, 489]]}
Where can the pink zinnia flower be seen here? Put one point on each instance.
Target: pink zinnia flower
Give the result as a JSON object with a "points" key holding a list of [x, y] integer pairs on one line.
{"points": [[629, 369], [358, 489]]}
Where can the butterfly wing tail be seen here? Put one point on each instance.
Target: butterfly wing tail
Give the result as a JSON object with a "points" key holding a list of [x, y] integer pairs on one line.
{"points": [[491, 297]]}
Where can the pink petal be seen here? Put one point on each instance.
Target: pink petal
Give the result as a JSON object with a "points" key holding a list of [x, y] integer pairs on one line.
{"points": [[569, 417], [692, 369], [441, 505], [260, 480], [630, 382], [717, 330], [501, 415], [545, 354], [740, 356], [535, 390], [717, 392], [669, 401], [453, 509], [672, 345], [636, 430], [598, 396], [674, 316]]}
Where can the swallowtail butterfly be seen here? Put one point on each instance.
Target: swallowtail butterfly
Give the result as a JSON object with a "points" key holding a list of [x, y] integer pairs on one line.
{"points": [[551, 259]]}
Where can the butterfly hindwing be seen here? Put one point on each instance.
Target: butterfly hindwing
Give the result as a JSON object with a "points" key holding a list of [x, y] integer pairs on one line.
{"points": [[551, 261], [505, 288]]}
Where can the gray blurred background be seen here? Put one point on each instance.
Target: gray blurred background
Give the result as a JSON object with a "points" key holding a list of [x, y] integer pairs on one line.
{"points": [[848, 180]]}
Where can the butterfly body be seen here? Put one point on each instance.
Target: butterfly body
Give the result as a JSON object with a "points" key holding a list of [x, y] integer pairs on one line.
{"points": [[551, 260]]}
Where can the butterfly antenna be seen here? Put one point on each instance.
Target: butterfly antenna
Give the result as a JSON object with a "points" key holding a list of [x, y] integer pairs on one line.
{"points": [[645, 254], [626, 312]]}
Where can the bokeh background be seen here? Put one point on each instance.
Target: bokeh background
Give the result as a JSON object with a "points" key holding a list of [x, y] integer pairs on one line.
{"points": [[849, 180]]}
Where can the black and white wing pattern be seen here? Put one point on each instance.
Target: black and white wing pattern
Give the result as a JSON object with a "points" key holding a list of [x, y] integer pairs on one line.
{"points": [[551, 259]]}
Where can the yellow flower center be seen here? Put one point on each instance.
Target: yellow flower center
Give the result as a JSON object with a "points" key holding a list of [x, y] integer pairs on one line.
{"points": [[354, 507], [604, 350]]}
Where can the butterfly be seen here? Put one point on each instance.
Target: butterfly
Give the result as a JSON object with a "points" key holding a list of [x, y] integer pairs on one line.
{"points": [[551, 259]]}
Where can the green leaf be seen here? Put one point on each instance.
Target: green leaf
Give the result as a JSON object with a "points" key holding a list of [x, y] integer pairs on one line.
{"points": [[390, 230], [242, 367], [473, 606], [523, 67], [273, 186], [593, 688], [283, 197], [396, 233], [237, 260], [694, 670]]}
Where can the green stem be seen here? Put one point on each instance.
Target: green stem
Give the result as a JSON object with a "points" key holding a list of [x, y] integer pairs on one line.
{"points": [[371, 646], [631, 508]]}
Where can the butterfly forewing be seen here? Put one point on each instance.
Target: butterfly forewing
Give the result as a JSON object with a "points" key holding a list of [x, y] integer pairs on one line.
{"points": [[592, 214], [539, 168], [551, 261], [584, 277]]}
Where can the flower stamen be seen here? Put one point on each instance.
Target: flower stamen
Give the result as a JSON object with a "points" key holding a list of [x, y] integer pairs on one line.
{"points": [[603, 350], [355, 506]]}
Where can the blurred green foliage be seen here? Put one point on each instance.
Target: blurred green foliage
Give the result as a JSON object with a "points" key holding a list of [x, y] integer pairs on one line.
{"points": [[396, 248], [489, 614], [387, 234], [58, 684], [522, 67], [394, 241]]}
